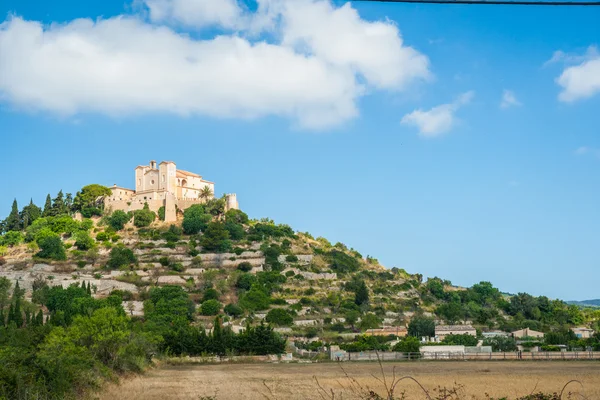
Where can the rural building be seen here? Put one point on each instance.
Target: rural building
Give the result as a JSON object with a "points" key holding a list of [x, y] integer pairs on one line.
{"points": [[441, 331], [164, 185], [583, 332], [399, 331], [522, 333]]}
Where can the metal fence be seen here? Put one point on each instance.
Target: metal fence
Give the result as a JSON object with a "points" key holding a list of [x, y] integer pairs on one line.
{"points": [[518, 355]]}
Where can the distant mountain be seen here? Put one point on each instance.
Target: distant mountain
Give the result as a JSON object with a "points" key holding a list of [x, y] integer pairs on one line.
{"points": [[586, 303]]}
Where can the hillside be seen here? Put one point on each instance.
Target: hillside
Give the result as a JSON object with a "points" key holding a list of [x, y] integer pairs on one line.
{"points": [[212, 269]]}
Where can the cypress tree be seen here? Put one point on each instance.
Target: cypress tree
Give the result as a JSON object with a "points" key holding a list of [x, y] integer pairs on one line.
{"points": [[13, 222], [18, 316], [58, 204], [47, 207], [2, 321], [27, 317], [83, 285], [361, 296], [89, 288], [39, 320], [30, 213], [11, 315]]}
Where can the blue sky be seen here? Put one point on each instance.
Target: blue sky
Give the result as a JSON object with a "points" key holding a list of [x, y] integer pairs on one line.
{"points": [[401, 149]]}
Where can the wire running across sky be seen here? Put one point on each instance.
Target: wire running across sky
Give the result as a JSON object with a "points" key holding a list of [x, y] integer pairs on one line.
{"points": [[493, 2]]}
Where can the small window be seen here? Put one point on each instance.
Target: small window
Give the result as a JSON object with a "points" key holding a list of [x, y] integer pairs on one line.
{"points": [[152, 182], [163, 178]]}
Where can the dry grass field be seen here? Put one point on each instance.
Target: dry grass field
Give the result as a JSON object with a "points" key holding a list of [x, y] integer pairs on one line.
{"points": [[296, 381]]}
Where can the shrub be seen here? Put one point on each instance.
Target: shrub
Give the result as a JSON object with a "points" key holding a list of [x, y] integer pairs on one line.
{"points": [[83, 241], [279, 316], [102, 237], [457, 340], [195, 220], [11, 238], [245, 266], [233, 310], [118, 219], [121, 256], [215, 238], [255, 299], [409, 344], [52, 247], [173, 234], [164, 261], [291, 258], [210, 294], [144, 217], [177, 267], [210, 307], [161, 213], [81, 264]]}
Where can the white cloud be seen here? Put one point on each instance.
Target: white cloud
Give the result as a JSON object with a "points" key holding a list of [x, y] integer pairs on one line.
{"points": [[196, 13], [438, 120], [509, 99], [578, 81], [583, 150], [318, 62]]}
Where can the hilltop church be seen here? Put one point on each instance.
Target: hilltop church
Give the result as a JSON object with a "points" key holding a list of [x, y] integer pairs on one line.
{"points": [[164, 185]]}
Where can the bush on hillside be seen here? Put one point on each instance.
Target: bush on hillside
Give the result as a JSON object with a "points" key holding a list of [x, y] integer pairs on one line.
{"points": [[280, 317], [233, 310], [83, 241], [195, 219], [118, 219], [210, 307], [215, 238], [144, 217], [121, 256], [52, 247]]}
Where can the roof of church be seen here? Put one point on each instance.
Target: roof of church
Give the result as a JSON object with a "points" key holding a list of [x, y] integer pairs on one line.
{"points": [[186, 173]]}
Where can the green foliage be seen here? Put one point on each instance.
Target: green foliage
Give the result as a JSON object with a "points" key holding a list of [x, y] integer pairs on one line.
{"points": [[102, 237], [341, 262], [236, 231], [121, 256], [173, 234], [501, 343], [370, 321], [89, 200], [409, 344], [144, 217], [52, 247], [29, 214], [264, 230], [245, 281], [11, 238], [460, 340], [420, 326], [118, 219], [161, 213], [210, 294], [13, 221], [244, 266], [361, 295], [195, 219], [280, 317], [236, 217], [210, 307], [255, 299], [215, 238], [366, 343], [233, 310], [83, 241]]}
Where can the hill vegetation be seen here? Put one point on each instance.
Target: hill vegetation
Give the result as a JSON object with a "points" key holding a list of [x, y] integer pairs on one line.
{"points": [[88, 293]]}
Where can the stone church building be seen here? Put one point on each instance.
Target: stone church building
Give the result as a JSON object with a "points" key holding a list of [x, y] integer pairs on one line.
{"points": [[164, 185]]}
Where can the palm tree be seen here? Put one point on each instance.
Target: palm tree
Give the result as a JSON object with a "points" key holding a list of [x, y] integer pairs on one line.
{"points": [[206, 193]]}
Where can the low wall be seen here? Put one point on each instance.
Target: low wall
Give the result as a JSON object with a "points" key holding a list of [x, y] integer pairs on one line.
{"points": [[341, 355]]}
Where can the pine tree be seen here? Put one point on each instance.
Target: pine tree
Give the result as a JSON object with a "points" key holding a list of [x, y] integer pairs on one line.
{"points": [[13, 222], [58, 204], [69, 202], [30, 213], [361, 296], [47, 207]]}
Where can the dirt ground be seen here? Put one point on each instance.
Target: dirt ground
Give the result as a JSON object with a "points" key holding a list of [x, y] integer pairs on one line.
{"points": [[297, 381]]}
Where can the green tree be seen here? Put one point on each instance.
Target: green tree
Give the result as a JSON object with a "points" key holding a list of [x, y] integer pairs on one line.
{"points": [[501, 343], [420, 326], [370, 321], [280, 317], [210, 307], [118, 219], [30, 213], [51, 247], [233, 310], [11, 238], [83, 241], [206, 193], [352, 317], [89, 200], [409, 344], [255, 299], [121, 256], [460, 340], [210, 294], [13, 221], [144, 217], [361, 295], [59, 207], [215, 238], [195, 219], [47, 207]]}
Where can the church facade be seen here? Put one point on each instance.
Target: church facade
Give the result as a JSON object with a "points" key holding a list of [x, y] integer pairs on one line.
{"points": [[164, 185]]}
